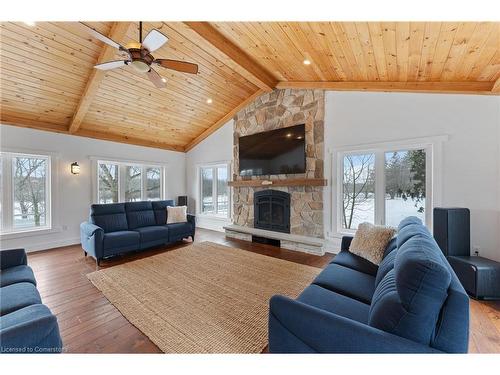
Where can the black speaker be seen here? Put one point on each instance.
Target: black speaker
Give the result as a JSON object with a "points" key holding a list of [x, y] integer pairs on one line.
{"points": [[182, 200], [452, 230]]}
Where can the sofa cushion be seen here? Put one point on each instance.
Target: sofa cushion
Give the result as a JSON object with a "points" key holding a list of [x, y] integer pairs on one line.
{"points": [[391, 246], [346, 281], [339, 304], [16, 296], [122, 239], [160, 210], [178, 231], [408, 300], [347, 259], [139, 214], [153, 233], [408, 228], [17, 274], [110, 217], [385, 266], [33, 327]]}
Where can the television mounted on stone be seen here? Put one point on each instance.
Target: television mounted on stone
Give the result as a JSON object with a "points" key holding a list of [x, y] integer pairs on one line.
{"points": [[280, 151]]}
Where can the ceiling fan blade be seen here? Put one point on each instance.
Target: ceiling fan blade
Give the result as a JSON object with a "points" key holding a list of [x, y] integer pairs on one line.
{"points": [[156, 78], [178, 65], [103, 38], [154, 40], [111, 65]]}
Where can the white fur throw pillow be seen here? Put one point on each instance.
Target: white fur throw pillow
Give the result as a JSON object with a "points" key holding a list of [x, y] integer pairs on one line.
{"points": [[176, 214], [370, 241]]}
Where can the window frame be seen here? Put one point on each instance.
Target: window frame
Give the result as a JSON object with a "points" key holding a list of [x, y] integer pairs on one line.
{"points": [[433, 168], [122, 164], [214, 167], [7, 229]]}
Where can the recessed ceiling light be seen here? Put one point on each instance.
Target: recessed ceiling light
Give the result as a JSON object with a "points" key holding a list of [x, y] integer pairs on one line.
{"points": [[307, 62], [209, 101], [29, 23], [164, 79], [299, 137], [289, 135]]}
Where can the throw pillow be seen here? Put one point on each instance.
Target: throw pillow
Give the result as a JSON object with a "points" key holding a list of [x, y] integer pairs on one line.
{"points": [[370, 241], [176, 214]]}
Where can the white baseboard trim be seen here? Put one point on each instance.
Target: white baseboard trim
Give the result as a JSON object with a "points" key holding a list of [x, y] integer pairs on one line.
{"points": [[52, 245]]}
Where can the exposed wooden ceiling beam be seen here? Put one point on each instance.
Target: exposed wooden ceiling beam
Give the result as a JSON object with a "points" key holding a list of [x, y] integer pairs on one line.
{"points": [[129, 140], [223, 120], [258, 75], [39, 125], [496, 87], [429, 87], [32, 124], [117, 33]]}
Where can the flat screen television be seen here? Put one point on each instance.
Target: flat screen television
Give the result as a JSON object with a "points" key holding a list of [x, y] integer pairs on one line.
{"points": [[280, 151]]}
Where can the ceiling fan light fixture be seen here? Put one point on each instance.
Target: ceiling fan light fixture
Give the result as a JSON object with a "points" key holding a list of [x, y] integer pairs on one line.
{"points": [[140, 66]]}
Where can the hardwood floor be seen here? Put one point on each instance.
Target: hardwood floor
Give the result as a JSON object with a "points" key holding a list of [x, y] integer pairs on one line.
{"points": [[90, 324]]}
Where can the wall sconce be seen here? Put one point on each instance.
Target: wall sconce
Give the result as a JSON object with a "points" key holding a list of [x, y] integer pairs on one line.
{"points": [[75, 168]]}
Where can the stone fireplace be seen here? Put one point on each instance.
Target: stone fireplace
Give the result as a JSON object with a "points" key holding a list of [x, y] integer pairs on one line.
{"points": [[276, 110], [272, 210]]}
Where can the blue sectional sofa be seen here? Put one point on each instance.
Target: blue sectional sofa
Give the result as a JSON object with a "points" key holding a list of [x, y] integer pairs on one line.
{"points": [[119, 228], [411, 303], [26, 325]]}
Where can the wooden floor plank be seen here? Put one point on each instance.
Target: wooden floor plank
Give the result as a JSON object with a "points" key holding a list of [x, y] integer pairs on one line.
{"points": [[90, 324]]}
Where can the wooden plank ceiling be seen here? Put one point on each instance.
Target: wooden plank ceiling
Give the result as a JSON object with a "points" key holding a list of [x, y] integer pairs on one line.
{"points": [[48, 82]]}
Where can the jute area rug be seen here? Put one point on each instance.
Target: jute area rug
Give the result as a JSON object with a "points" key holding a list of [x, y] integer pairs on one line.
{"points": [[205, 298]]}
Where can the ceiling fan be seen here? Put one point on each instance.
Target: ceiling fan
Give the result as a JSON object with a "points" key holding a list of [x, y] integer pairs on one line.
{"points": [[139, 55]]}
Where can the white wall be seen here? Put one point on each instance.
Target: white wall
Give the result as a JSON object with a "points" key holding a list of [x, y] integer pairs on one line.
{"points": [[471, 156], [74, 192], [216, 148]]}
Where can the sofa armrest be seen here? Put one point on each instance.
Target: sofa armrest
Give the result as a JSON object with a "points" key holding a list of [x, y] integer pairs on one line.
{"points": [[92, 237], [346, 242], [191, 219], [32, 329], [295, 327], [12, 258], [89, 229]]}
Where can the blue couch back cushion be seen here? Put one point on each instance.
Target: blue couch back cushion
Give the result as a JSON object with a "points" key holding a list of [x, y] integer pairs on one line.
{"points": [[140, 214], [110, 217], [160, 210], [409, 298]]}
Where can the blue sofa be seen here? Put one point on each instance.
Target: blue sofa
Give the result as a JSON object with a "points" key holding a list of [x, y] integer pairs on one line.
{"points": [[411, 303], [119, 228], [26, 325]]}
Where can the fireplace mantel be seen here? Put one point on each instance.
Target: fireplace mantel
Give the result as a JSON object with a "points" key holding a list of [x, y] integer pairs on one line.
{"points": [[279, 182]]}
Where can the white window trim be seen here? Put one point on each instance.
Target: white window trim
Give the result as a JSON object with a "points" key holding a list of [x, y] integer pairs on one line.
{"points": [[199, 166], [432, 145], [52, 187], [95, 160]]}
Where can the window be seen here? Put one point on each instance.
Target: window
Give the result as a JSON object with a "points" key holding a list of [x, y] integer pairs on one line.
{"points": [[214, 190], [25, 182], [128, 182], [358, 190], [383, 185]]}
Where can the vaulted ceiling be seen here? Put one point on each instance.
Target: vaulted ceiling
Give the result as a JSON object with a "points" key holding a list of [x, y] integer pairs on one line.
{"points": [[48, 82]]}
